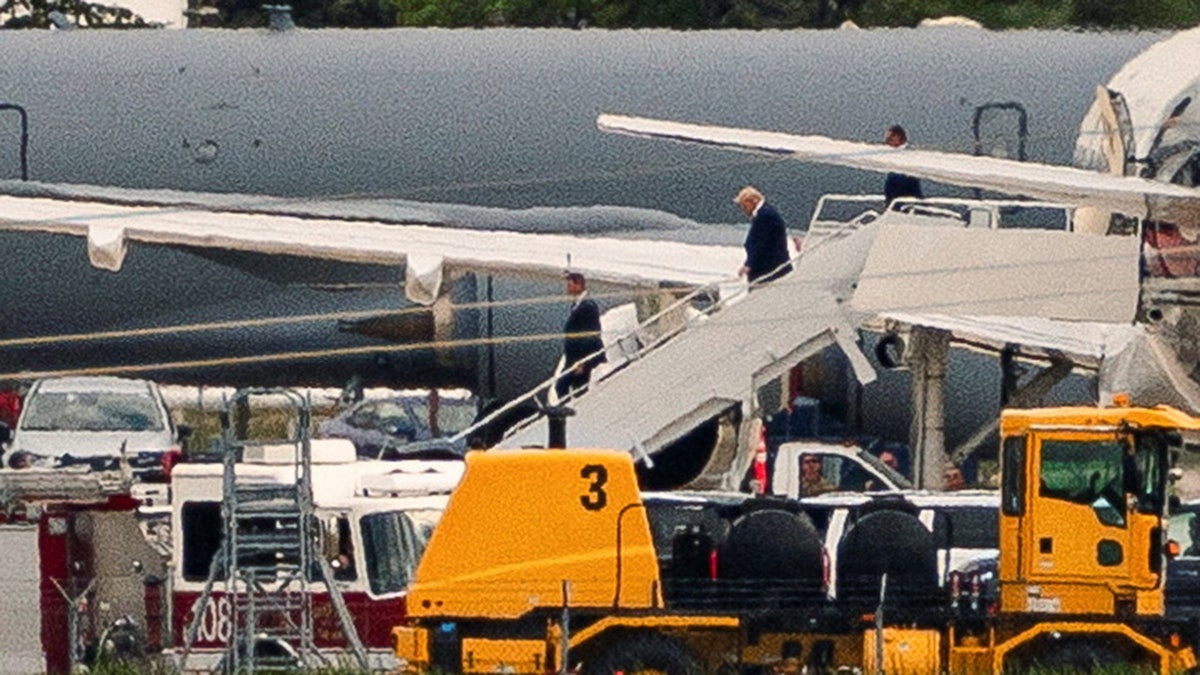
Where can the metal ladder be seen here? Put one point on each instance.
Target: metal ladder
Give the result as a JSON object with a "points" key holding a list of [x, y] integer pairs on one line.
{"points": [[270, 555]]}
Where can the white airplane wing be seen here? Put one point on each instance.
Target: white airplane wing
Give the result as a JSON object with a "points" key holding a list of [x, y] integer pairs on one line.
{"points": [[1132, 196], [427, 252]]}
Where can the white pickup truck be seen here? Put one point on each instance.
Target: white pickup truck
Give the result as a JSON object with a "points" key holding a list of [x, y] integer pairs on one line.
{"points": [[844, 468]]}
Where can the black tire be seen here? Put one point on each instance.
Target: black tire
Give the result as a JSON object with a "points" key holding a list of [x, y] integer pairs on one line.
{"points": [[640, 653], [891, 541], [773, 544]]}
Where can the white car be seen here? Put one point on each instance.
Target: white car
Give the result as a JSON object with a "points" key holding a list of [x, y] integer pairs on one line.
{"points": [[95, 421]]}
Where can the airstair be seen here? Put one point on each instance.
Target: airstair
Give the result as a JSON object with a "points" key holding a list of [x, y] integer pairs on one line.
{"points": [[269, 558], [921, 265], [718, 360]]}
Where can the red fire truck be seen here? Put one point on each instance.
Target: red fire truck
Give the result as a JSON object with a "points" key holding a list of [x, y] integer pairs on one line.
{"points": [[97, 563], [373, 519]]}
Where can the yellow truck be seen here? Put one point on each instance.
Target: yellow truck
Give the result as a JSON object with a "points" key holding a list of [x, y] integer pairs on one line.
{"points": [[553, 560]]}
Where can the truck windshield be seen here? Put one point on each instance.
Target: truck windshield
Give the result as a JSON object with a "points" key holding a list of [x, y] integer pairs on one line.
{"points": [[1102, 474], [894, 476], [92, 411], [1090, 473]]}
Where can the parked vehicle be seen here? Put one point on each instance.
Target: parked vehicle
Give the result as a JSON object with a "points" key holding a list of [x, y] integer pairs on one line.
{"points": [[845, 468], [106, 570], [97, 421], [406, 426], [1183, 568], [372, 520]]}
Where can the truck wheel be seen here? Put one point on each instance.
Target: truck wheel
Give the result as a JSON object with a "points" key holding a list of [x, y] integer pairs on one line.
{"points": [[645, 654]]}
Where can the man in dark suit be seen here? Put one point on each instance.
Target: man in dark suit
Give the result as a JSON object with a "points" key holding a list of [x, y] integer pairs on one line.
{"points": [[898, 184], [767, 256], [581, 339]]}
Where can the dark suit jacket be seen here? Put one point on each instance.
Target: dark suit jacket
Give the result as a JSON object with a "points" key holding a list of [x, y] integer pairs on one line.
{"points": [[766, 244], [900, 185], [584, 318]]}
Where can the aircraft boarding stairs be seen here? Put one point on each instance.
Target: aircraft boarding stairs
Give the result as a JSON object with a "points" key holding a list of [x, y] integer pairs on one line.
{"points": [[269, 557], [717, 359], [923, 257]]}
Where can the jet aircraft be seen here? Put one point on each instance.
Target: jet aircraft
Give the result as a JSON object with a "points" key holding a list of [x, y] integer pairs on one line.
{"points": [[110, 219]]}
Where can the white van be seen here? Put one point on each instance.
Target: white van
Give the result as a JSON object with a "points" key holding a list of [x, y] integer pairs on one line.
{"points": [[94, 421]]}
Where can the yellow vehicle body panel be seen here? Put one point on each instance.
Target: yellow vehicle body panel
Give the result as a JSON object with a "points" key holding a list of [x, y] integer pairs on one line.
{"points": [[1068, 555], [1170, 659], [1064, 599], [1018, 421], [528, 529], [670, 622], [969, 660], [503, 656], [905, 651], [1059, 562], [411, 647]]}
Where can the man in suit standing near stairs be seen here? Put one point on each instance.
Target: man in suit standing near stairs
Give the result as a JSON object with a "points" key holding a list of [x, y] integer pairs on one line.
{"points": [[581, 339]]}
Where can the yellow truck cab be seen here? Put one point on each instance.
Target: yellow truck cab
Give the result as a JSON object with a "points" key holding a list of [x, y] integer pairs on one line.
{"points": [[1083, 500]]}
